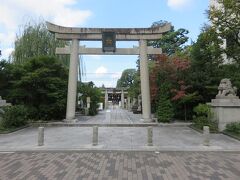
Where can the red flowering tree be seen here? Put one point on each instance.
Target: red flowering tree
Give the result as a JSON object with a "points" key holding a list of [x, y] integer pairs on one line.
{"points": [[176, 69]]}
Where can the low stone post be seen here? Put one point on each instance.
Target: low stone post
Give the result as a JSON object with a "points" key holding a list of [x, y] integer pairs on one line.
{"points": [[150, 136], [86, 111], [206, 136], [108, 116], [95, 136], [40, 136]]}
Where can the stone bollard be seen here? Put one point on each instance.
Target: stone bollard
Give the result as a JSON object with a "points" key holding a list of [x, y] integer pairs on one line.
{"points": [[40, 136], [206, 136], [150, 136], [95, 136], [86, 111], [108, 115]]}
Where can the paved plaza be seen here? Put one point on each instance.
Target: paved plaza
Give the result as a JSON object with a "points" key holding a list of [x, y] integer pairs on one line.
{"points": [[113, 115], [122, 152], [120, 165], [165, 138]]}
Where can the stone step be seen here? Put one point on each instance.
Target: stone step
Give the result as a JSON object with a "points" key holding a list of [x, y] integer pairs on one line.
{"points": [[63, 124], [60, 124]]}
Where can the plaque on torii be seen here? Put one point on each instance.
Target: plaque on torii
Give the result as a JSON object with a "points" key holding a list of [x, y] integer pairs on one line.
{"points": [[108, 41]]}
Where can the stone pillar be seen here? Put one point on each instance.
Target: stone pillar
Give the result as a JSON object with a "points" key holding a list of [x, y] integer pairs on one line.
{"points": [[150, 136], [88, 102], [88, 106], [129, 103], [95, 136], [144, 76], [106, 99], [40, 136], [108, 116], [72, 82], [122, 99], [206, 136]]}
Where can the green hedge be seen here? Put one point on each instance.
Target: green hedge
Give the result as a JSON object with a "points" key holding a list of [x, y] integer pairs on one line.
{"points": [[233, 128], [204, 117], [14, 116]]}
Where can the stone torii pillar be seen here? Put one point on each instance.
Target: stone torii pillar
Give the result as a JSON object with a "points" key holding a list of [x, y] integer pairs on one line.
{"points": [[122, 99], [129, 103], [144, 76], [72, 82], [106, 99]]}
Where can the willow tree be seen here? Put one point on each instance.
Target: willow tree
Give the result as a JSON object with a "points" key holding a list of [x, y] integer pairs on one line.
{"points": [[34, 40]]}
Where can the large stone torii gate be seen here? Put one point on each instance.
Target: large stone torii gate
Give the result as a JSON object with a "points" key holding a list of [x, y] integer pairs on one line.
{"points": [[75, 35]]}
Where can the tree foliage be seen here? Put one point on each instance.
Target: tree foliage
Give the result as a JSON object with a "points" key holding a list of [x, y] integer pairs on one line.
{"points": [[134, 89], [40, 84], [90, 90], [9, 73], [175, 69], [204, 117], [164, 105], [172, 41], [34, 40], [175, 72], [225, 20], [14, 116], [205, 62], [127, 78]]}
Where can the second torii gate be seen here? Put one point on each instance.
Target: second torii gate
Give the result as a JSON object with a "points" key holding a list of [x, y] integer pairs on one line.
{"points": [[108, 36]]}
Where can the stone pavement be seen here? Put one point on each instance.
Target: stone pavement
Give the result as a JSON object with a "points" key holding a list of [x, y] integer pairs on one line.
{"points": [[116, 138], [120, 165], [165, 138], [113, 115], [122, 153]]}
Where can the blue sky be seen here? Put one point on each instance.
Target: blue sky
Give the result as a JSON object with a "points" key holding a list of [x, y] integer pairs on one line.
{"points": [[188, 14]]}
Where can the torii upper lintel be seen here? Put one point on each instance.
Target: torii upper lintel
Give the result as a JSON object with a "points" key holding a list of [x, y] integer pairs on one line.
{"points": [[127, 34]]}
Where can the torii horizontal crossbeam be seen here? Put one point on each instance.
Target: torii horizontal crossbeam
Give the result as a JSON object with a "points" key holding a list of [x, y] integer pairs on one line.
{"points": [[122, 34], [98, 51]]}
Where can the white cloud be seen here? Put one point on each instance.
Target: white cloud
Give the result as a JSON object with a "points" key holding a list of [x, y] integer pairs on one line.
{"points": [[71, 18], [16, 12], [7, 37], [116, 75], [58, 11], [101, 71], [7, 52], [7, 16], [109, 84], [178, 4]]}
